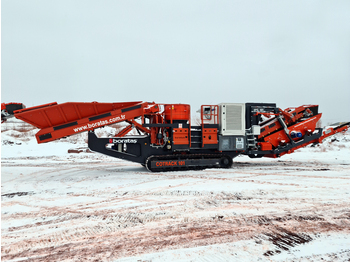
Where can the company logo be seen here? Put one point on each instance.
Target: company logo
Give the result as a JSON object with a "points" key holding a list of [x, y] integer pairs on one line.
{"points": [[123, 141]]}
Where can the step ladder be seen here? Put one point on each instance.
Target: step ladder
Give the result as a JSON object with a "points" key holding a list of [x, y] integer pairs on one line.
{"points": [[251, 141], [196, 137]]}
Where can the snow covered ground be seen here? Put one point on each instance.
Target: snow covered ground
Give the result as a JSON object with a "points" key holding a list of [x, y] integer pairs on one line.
{"points": [[60, 206]]}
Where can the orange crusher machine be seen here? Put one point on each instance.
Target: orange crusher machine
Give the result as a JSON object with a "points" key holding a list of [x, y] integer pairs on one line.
{"points": [[166, 140]]}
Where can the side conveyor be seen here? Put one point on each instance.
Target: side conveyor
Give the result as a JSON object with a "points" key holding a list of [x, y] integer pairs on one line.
{"points": [[61, 120]]}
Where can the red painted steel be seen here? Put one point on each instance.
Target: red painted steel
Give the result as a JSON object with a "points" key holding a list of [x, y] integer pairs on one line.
{"points": [[291, 115], [280, 137], [177, 112], [61, 120], [54, 114], [209, 135]]}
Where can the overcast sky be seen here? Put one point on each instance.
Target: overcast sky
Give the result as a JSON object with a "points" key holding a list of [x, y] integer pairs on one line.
{"points": [[197, 52]]}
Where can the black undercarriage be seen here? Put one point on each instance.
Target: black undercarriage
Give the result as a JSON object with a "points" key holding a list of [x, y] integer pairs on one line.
{"points": [[159, 159]]}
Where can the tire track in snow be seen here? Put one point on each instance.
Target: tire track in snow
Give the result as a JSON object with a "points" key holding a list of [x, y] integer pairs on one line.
{"points": [[122, 222], [179, 235]]}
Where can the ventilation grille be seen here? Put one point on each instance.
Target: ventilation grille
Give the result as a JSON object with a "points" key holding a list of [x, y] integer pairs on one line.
{"points": [[233, 117]]}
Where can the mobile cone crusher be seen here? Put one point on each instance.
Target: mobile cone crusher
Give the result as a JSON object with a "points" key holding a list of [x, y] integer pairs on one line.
{"points": [[166, 139]]}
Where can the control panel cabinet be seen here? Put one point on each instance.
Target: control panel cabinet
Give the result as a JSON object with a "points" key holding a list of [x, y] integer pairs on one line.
{"points": [[232, 143]]}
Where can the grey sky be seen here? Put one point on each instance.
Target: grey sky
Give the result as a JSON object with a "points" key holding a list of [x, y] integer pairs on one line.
{"points": [[196, 52]]}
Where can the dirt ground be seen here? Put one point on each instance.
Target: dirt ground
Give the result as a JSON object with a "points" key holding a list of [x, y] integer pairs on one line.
{"points": [[92, 208]]}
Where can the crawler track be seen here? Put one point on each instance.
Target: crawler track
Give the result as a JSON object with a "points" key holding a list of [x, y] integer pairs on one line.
{"points": [[182, 162]]}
